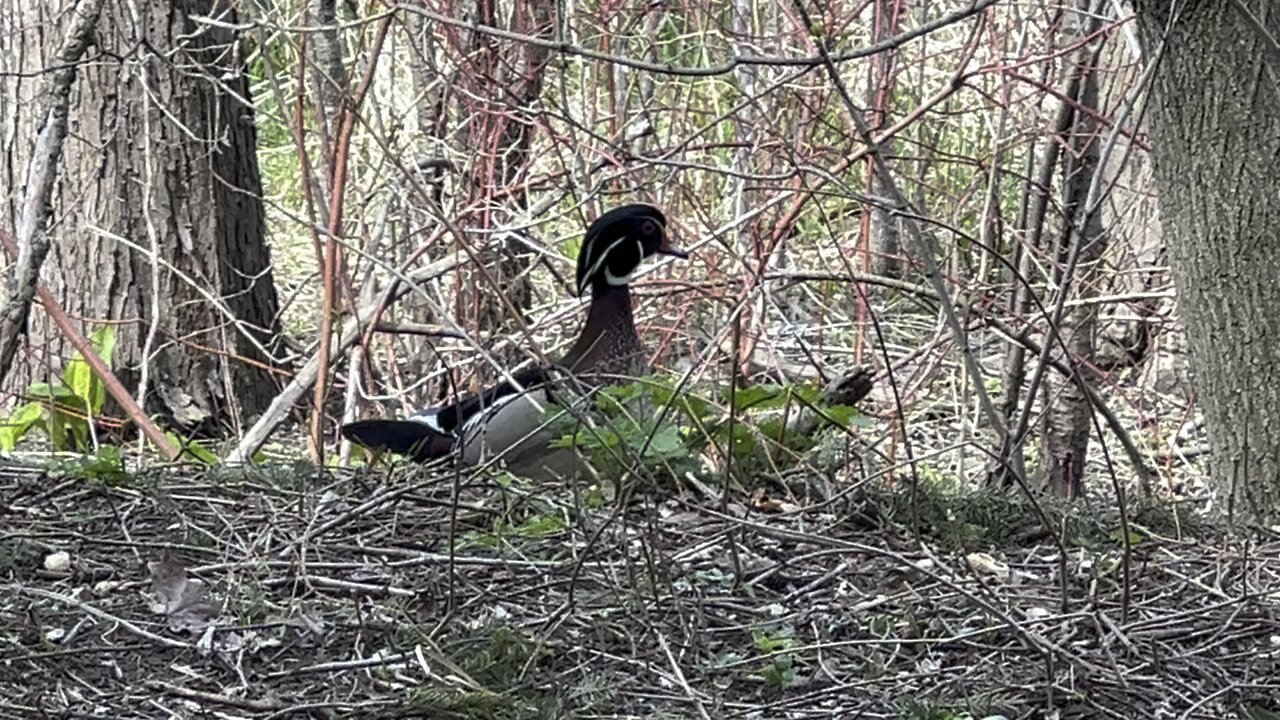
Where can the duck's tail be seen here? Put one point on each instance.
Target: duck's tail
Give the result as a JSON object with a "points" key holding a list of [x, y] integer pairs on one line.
{"points": [[411, 438]]}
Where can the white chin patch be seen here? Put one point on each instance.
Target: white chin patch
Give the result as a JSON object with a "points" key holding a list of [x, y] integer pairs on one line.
{"points": [[602, 265], [615, 280]]}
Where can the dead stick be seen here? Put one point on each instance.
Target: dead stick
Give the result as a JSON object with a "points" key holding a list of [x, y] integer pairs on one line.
{"points": [[331, 264], [42, 172], [99, 367], [307, 374]]}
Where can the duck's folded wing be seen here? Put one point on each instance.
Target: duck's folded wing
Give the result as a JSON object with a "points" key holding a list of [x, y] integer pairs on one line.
{"points": [[452, 418], [434, 432]]}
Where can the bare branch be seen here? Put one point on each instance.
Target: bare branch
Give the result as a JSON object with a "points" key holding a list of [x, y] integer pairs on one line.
{"points": [[33, 242]]}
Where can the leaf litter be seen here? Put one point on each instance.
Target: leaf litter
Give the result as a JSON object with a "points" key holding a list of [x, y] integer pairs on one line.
{"points": [[298, 593]]}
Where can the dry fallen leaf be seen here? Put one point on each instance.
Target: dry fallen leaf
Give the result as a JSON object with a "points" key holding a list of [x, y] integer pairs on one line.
{"points": [[984, 564], [185, 601]]}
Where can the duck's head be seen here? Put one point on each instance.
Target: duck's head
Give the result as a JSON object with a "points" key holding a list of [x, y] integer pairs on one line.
{"points": [[618, 241]]}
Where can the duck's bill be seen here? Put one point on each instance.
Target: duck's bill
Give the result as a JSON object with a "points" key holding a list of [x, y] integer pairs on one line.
{"points": [[666, 248]]}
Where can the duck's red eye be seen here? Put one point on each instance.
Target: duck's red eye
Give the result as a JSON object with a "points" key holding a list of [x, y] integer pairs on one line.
{"points": [[648, 228]]}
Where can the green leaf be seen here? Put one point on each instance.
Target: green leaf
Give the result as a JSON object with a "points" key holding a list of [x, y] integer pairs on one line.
{"points": [[78, 433], [744, 440], [767, 642], [758, 397], [107, 464], [809, 392], [18, 424], [1134, 537], [779, 673], [666, 444], [79, 376], [192, 449], [60, 393], [847, 416], [68, 432], [541, 526], [57, 430], [624, 394], [689, 405], [104, 343]]}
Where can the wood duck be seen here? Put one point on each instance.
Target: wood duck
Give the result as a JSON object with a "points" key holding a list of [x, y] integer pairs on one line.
{"points": [[507, 419]]}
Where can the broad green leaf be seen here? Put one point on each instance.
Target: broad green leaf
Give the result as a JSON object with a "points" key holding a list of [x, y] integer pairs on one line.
{"points": [[691, 406], [57, 430], [808, 392], [666, 444], [77, 432], [79, 376], [847, 416], [60, 393], [104, 343], [757, 397], [744, 440], [19, 422]]}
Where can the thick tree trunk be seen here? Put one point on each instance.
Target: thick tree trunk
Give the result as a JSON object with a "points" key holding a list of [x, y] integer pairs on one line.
{"points": [[158, 219], [1215, 104]]}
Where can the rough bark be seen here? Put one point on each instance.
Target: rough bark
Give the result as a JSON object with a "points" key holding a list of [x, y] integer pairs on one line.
{"points": [[330, 76], [1068, 412], [1214, 104], [162, 156], [42, 163]]}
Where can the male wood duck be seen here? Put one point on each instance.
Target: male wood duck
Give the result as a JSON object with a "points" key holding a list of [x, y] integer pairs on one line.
{"points": [[508, 419]]}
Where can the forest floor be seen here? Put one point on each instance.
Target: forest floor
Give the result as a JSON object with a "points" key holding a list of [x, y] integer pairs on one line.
{"points": [[288, 592]]}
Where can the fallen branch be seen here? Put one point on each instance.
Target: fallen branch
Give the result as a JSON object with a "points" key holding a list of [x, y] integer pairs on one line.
{"points": [[100, 368], [352, 330], [42, 172]]}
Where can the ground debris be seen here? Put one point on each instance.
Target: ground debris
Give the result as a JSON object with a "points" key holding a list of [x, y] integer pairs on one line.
{"points": [[280, 593]]}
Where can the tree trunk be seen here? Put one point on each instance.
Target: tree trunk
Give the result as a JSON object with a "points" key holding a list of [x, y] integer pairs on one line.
{"points": [[158, 220], [1029, 252], [885, 241], [1215, 101], [1068, 413], [504, 83]]}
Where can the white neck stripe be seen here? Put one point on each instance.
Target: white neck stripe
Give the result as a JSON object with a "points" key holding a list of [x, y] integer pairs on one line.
{"points": [[595, 268]]}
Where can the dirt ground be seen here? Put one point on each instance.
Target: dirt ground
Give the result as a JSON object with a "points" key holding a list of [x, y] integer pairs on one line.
{"points": [[288, 592]]}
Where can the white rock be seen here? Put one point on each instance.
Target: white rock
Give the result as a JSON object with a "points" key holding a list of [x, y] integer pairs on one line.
{"points": [[58, 562]]}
